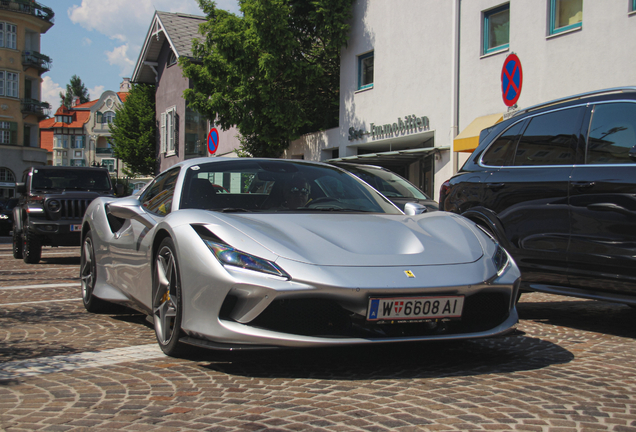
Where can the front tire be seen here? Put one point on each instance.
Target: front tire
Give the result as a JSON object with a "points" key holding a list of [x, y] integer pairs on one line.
{"points": [[166, 299], [17, 244], [32, 248], [88, 277]]}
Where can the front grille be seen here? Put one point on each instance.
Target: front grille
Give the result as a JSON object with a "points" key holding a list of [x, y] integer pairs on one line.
{"points": [[320, 317], [73, 208]]}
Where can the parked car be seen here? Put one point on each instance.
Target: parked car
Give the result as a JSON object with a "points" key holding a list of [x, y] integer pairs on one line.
{"points": [[51, 207], [6, 216], [396, 188], [297, 254], [556, 185]]}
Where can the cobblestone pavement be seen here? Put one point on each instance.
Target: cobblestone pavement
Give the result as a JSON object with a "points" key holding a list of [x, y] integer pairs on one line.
{"points": [[572, 366]]}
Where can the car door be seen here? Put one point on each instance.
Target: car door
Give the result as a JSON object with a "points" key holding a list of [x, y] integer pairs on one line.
{"points": [[131, 246], [602, 251], [529, 194]]}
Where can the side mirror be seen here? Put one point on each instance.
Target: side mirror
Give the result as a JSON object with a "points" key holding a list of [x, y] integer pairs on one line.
{"points": [[413, 209], [130, 208], [632, 153], [20, 188]]}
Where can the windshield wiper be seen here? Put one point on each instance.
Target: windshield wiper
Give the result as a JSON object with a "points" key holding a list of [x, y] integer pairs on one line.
{"points": [[234, 210], [333, 209]]}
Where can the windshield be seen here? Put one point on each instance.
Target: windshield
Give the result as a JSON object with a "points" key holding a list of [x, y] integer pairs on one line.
{"points": [[278, 186], [389, 184], [62, 179]]}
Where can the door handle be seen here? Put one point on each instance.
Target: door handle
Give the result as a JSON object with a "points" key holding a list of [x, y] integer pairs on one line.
{"points": [[582, 185], [495, 186]]}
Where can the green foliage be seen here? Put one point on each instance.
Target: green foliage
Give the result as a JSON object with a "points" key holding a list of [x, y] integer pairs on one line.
{"points": [[133, 131], [274, 73], [75, 88]]}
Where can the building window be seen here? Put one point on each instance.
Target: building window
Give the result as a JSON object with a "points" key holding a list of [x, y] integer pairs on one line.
{"points": [[496, 29], [78, 162], [9, 133], [6, 175], [8, 35], [365, 71], [109, 164], [8, 84], [78, 142], [172, 59], [169, 122], [565, 15], [632, 5], [108, 117], [196, 134]]}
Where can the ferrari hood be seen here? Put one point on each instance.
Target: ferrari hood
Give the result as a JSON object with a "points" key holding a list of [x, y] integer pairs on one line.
{"points": [[359, 240]]}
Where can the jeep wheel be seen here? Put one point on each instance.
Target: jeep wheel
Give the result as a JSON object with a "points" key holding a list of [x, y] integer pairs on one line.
{"points": [[32, 248], [17, 244]]}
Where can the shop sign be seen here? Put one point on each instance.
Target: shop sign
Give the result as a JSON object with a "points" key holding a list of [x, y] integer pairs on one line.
{"points": [[7, 184], [410, 124]]}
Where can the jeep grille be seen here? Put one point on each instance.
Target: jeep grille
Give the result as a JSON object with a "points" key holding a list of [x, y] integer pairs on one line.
{"points": [[74, 208]]}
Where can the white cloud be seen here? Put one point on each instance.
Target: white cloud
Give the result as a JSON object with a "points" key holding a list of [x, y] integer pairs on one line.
{"points": [[96, 92], [128, 21], [124, 20], [86, 42], [51, 92], [119, 57]]}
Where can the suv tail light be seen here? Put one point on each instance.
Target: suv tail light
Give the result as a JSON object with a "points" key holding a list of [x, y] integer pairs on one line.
{"points": [[443, 192]]}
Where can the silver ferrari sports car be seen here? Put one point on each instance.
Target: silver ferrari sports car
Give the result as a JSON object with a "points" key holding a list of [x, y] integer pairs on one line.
{"points": [[259, 253]]}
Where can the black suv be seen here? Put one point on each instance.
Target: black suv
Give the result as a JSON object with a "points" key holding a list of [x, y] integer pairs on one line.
{"points": [[555, 184], [52, 206]]}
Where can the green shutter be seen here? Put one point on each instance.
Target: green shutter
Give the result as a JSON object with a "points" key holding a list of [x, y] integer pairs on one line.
{"points": [[100, 117], [13, 135]]}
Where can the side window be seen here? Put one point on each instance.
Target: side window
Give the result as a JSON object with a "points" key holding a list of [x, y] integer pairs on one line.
{"points": [[612, 133], [550, 139], [157, 198], [501, 152]]}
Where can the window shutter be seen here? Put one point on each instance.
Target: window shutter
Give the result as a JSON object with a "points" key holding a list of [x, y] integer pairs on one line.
{"points": [[162, 132], [100, 117], [13, 133]]}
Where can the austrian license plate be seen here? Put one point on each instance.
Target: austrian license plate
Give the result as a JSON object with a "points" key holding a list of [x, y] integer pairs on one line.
{"points": [[415, 308], [76, 227]]}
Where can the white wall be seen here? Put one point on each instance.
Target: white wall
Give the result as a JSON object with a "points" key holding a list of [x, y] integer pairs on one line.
{"points": [[599, 55]]}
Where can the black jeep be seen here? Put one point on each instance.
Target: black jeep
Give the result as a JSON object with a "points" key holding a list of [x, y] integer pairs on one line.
{"points": [[51, 207]]}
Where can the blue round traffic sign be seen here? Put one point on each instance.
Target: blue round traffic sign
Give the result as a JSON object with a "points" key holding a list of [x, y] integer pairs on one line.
{"points": [[511, 80], [213, 140]]}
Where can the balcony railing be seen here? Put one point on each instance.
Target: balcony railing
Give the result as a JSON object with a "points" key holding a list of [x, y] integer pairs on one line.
{"points": [[29, 7], [36, 60], [103, 151], [32, 106]]}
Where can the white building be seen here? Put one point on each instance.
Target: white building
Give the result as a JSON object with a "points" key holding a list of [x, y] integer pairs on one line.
{"points": [[416, 73]]}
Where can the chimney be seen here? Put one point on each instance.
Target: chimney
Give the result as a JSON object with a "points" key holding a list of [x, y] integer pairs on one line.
{"points": [[76, 101], [125, 85]]}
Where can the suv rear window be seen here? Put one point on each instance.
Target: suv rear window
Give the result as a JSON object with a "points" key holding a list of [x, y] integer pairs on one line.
{"points": [[62, 179], [612, 134]]}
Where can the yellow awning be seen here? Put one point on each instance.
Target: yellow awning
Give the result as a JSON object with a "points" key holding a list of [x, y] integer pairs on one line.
{"points": [[468, 139]]}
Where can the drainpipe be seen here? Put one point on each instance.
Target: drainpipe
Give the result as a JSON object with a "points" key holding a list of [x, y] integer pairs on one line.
{"points": [[455, 85]]}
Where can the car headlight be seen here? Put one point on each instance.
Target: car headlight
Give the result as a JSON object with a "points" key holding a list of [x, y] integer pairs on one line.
{"points": [[54, 205], [3, 216], [227, 255], [500, 259]]}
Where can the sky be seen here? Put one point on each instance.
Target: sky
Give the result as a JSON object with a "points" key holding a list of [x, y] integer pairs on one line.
{"points": [[100, 40]]}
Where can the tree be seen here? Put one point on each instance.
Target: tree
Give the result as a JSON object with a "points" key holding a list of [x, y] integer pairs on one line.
{"points": [[133, 131], [75, 88], [274, 73]]}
